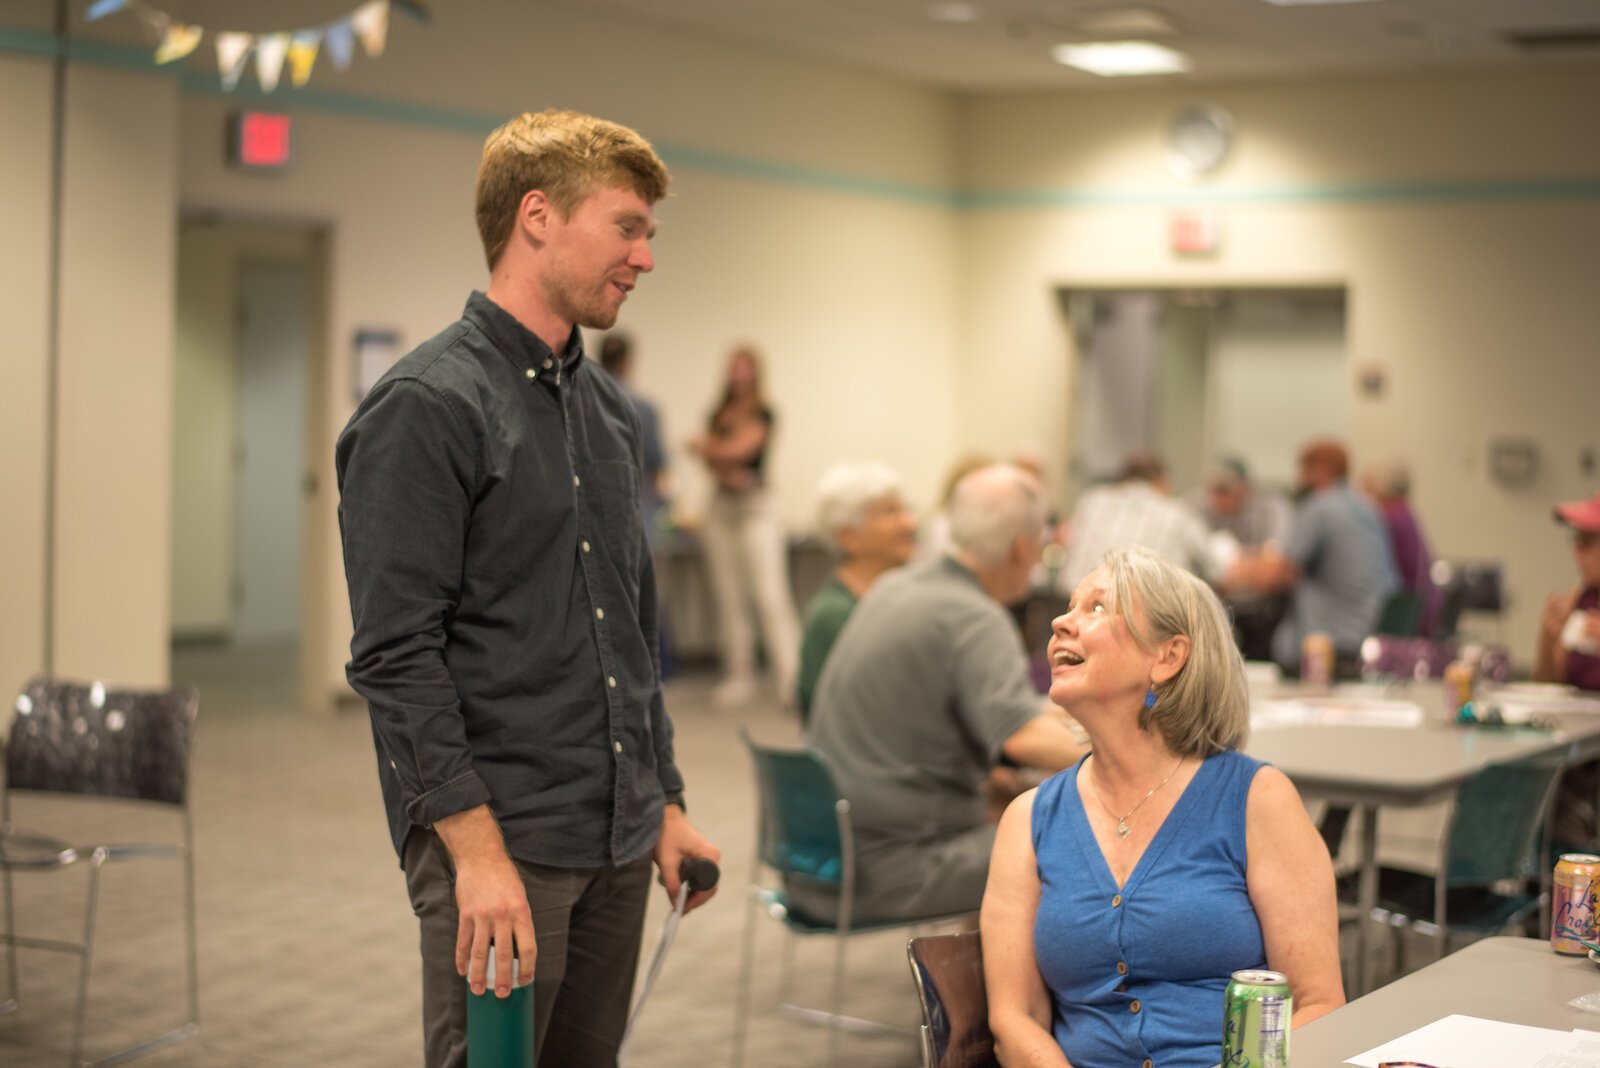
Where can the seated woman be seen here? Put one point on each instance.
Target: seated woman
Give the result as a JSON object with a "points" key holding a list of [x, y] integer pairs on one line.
{"points": [[1125, 891], [861, 511]]}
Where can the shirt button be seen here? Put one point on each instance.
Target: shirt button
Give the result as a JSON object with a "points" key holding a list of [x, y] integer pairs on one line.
{"points": [[391, 765], [617, 746], [585, 546], [1116, 902], [1148, 1063], [1122, 967], [530, 372], [548, 363], [611, 681], [1133, 1006], [576, 481], [599, 613]]}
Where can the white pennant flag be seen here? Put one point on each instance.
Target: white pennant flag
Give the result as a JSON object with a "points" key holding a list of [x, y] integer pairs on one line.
{"points": [[270, 52], [232, 50], [371, 22]]}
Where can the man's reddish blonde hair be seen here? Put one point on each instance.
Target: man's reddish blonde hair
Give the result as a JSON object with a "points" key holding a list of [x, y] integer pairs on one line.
{"points": [[565, 154]]}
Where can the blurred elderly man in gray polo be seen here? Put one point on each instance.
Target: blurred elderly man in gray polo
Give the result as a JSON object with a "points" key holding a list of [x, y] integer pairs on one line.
{"points": [[926, 689]]}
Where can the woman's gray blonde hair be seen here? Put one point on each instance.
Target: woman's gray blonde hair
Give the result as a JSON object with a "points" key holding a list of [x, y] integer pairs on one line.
{"points": [[1205, 707]]}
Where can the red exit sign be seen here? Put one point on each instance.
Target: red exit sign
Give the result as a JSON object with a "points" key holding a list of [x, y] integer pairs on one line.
{"points": [[258, 140]]}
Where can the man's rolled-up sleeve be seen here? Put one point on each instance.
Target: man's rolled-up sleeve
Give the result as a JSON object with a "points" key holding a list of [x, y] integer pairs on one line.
{"points": [[407, 472]]}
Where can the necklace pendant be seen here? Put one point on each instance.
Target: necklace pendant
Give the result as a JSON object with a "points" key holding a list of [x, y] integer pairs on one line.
{"points": [[1122, 828]]}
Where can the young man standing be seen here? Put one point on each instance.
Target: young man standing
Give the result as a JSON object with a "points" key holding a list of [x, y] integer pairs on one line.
{"points": [[505, 608]]}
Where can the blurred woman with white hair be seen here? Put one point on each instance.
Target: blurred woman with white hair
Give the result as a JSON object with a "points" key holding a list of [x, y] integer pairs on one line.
{"points": [[861, 511]]}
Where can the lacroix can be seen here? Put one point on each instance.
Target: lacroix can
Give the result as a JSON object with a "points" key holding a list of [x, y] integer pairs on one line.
{"points": [[1316, 660], [1574, 900], [1256, 1010], [1458, 679]]}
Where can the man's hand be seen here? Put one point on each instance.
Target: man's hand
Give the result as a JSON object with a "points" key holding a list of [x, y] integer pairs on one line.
{"points": [[678, 840], [492, 902]]}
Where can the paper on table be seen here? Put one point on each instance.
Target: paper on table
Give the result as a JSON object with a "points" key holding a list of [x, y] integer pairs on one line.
{"points": [[1336, 712], [1470, 1042]]}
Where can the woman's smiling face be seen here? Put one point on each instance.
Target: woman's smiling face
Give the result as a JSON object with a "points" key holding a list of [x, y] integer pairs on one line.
{"points": [[1093, 657]]}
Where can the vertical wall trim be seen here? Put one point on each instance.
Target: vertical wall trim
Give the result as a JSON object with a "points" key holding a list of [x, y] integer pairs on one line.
{"points": [[58, 142]]}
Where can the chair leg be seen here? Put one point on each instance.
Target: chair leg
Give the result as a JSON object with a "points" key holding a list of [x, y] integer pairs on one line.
{"points": [[80, 1016], [191, 906], [741, 995], [836, 1003], [13, 994]]}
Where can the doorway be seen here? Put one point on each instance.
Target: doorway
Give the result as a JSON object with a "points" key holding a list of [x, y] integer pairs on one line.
{"points": [[249, 314], [1191, 375]]}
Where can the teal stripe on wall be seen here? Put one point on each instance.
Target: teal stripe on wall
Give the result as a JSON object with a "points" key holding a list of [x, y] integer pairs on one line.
{"points": [[199, 82]]}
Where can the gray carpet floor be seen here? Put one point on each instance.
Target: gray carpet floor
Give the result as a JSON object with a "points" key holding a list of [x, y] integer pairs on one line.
{"points": [[307, 945]]}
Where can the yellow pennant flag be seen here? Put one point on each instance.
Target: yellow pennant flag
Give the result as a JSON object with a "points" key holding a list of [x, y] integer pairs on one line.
{"points": [[303, 55], [371, 22], [178, 41]]}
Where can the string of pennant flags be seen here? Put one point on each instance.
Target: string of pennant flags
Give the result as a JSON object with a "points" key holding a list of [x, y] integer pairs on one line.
{"points": [[299, 48]]}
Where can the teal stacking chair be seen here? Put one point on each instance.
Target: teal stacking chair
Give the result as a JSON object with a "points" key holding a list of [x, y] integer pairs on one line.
{"points": [[804, 835], [1491, 843]]}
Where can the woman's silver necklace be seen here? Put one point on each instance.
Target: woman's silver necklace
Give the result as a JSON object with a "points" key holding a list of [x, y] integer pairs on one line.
{"points": [[1123, 830]]}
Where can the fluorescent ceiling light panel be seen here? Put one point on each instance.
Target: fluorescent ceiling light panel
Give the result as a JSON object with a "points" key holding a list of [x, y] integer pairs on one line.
{"points": [[1121, 59]]}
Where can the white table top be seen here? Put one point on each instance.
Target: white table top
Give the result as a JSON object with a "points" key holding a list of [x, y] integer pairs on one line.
{"points": [[1514, 980]]}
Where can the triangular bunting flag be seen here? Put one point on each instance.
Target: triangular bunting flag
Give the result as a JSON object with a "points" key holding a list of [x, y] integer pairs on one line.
{"points": [[179, 40], [371, 22], [303, 55], [270, 53], [339, 40], [232, 51], [101, 8]]}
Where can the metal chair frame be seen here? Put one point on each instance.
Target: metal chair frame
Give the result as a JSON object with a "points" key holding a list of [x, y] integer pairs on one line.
{"points": [[772, 901], [21, 851]]}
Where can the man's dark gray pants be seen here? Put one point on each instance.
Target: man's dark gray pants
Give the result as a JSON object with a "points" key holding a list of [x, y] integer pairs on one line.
{"points": [[588, 923]]}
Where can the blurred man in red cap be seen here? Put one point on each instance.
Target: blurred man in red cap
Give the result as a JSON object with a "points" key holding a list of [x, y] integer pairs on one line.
{"points": [[1569, 633]]}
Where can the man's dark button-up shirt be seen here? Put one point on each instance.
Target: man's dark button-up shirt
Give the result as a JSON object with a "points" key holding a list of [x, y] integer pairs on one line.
{"points": [[503, 597]]}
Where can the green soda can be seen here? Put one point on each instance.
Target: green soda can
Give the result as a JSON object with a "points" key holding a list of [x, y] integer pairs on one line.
{"points": [[1255, 1020], [500, 1030]]}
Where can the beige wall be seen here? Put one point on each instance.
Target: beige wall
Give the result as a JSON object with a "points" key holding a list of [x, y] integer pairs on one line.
{"points": [[114, 430], [1478, 309], [24, 289]]}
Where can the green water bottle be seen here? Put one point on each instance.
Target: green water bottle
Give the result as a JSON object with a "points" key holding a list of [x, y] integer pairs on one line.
{"points": [[500, 1030]]}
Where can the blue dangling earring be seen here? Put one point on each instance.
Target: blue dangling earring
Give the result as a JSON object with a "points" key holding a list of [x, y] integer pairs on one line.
{"points": [[1150, 699]]}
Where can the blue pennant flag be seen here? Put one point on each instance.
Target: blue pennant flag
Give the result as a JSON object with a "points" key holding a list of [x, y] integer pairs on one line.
{"points": [[101, 8]]}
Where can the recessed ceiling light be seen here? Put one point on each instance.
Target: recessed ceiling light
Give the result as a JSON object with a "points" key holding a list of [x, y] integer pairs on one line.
{"points": [[953, 11], [1121, 59]]}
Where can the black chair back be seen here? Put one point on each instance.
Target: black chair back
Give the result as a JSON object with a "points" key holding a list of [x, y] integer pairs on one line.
{"points": [[82, 738]]}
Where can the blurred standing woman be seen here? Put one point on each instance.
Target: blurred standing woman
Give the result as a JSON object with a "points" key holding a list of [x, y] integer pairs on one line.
{"points": [[744, 544], [1124, 892]]}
